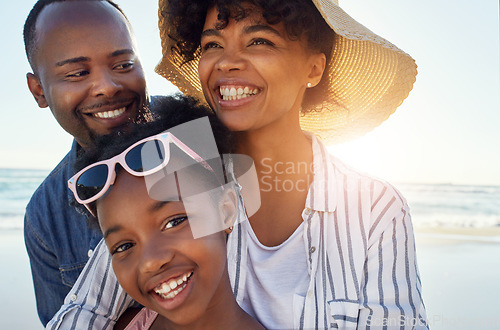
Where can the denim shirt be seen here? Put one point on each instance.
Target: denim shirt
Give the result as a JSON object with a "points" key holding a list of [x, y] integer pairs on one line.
{"points": [[57, 237]]}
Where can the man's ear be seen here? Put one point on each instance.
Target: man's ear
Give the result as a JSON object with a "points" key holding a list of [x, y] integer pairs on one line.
{"points": [[36, 90], [229, 209]]}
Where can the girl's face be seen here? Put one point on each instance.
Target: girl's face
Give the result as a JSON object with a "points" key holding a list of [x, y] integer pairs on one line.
{"points": [[253, 74], [154, 255]]}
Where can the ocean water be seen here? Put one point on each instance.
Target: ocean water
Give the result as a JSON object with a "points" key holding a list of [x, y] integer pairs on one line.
{"points": [[16, 188], [432, 205], [447, 205]]}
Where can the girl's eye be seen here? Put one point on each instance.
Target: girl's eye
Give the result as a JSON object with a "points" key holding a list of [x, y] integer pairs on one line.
{"points": [[175, 222], [260, 41], [122, 248]]}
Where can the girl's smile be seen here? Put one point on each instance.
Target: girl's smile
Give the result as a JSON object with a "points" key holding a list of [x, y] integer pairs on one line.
{"points": [[173, 292], [154, 255]]}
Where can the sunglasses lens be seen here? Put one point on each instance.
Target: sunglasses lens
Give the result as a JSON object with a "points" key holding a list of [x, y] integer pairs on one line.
{"points": [[91, 182], [146, 156]]}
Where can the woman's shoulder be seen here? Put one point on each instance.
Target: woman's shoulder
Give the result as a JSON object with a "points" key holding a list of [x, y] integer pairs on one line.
{"points": [[365, 183]]}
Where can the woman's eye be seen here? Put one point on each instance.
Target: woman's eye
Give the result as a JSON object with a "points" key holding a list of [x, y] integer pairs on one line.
{"points": [[175, 222], [210, 45], [122, 248], [260, 41]]}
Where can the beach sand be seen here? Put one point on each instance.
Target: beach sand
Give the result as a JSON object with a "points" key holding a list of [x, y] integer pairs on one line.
{"points": [[459, 268], [18, 310], [460, 272]]}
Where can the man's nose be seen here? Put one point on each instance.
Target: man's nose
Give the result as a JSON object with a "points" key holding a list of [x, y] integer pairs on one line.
{"points": [[105, 84]]}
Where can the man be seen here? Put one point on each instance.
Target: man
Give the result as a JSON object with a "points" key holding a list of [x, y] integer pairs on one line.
{"points": [[87, 71]]}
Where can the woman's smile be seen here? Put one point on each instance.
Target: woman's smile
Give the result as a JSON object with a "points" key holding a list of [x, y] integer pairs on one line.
{"points": [[252, 73], [232, 93]]}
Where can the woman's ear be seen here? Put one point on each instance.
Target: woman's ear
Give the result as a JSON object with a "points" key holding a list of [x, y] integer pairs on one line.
{"points": [[318, 63], [229, 209], [36, 90]]}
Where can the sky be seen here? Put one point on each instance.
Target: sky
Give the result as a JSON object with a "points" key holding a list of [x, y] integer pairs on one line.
{"points": [[447, 131]]}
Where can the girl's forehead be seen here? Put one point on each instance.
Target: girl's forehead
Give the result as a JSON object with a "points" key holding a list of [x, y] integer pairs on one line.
{"points": [[129, 195]]}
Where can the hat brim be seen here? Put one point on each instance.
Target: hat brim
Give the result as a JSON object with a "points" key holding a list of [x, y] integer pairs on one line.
{"points": [[368, 77]]}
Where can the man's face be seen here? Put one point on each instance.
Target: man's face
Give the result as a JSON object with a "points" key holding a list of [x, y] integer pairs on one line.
{"points": [[87, 69]]}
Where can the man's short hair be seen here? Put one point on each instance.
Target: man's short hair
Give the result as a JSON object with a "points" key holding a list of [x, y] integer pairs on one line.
{"points": [[29, 32]]}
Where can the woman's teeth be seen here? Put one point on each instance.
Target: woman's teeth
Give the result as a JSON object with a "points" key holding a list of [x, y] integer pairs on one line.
{"points": [[233, 93], [172, 288], [110, 114]]}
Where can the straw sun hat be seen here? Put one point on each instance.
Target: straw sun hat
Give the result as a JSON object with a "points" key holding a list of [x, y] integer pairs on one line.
{"points": [[368, 76]]}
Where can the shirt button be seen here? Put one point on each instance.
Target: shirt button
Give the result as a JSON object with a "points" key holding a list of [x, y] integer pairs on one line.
{"points": [[73, 297], [307, 211], [312, 249], [90, 253]]}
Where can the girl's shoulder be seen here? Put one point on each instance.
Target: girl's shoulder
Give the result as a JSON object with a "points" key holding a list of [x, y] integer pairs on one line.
{"points": [[136, 318]]}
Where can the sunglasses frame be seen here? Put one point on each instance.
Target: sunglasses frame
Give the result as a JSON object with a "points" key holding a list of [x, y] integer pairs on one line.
{"points": [[165, 137]]}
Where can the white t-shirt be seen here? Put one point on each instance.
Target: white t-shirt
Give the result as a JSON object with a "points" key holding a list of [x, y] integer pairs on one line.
{"points": [[277, 279]]}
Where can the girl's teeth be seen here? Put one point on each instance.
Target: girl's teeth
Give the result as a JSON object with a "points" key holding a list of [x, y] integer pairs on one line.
{"points": [[170, 289], [174, 293]]}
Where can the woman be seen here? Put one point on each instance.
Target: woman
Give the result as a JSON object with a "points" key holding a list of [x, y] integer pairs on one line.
{"points": [[329, 247], [269, 70]]}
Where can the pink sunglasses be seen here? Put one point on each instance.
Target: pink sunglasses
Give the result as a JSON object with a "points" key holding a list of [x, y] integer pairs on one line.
{"points": [[143, 158]]}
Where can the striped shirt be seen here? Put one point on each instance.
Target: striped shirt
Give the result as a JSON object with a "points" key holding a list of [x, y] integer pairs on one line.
{"points": [[360, 252]]}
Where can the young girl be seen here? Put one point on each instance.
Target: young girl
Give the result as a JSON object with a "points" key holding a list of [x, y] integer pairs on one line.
{"points": [[148, 221]]}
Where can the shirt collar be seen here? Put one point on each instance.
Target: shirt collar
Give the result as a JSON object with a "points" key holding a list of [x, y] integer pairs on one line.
{"points": [[73, 153], [321, 196]]}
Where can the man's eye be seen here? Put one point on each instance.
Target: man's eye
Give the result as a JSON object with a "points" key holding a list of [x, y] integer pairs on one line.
{"points": [[124, 66], [77, 74], [122, 248], [175, 222]]}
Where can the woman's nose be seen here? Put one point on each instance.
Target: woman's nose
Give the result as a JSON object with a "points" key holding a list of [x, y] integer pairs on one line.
{"points": [[230, 61]]}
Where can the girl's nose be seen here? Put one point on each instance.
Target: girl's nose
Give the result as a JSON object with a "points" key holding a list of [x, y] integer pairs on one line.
{"points": [[155, 255]]}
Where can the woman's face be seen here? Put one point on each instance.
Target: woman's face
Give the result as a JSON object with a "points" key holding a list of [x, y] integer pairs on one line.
{"points": [[253, 74], [154, 256]]}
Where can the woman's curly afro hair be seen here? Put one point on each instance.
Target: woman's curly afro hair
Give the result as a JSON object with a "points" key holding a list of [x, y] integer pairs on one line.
{"points": [[300, 18]]}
